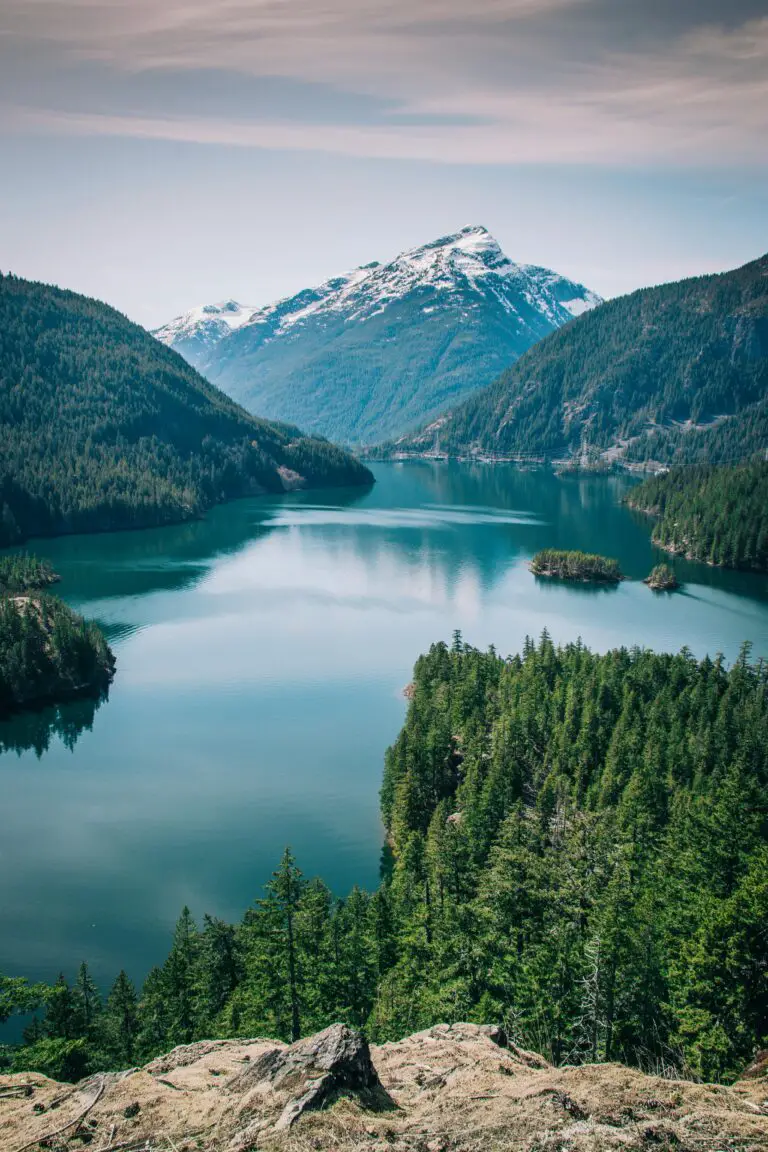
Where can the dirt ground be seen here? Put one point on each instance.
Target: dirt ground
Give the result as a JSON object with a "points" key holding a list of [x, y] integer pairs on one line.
{"points": [[449, 1089]]}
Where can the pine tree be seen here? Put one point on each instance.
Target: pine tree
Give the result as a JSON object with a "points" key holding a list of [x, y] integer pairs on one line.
{"points": [[121, 1021], [285, 890], [61, 1011], [180, 979], [220, 969], [87, 1002]]}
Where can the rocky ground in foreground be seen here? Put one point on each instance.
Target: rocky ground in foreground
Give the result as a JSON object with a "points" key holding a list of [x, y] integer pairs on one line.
{"points": [[451, 1088]]}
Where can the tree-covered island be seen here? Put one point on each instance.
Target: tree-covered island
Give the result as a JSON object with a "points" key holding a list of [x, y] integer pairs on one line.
{"points": [[578, 566], [662, 578]]}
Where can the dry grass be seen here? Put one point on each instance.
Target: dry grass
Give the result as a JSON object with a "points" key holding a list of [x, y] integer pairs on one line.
{"points": [[455, 1091]]}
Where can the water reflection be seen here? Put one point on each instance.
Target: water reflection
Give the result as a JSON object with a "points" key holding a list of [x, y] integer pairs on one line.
{"points": [[134, 564], [261, 656], [35, 730]]}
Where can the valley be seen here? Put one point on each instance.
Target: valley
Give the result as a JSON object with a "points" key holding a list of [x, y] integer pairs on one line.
{"points": [[311, 606]]}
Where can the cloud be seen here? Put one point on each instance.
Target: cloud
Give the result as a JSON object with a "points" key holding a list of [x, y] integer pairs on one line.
{"points": [[505, 81]]}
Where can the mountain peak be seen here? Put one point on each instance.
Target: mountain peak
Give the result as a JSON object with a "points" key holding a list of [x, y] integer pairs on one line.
{"points": [[204, 326], [222, 307], [474, 239], [369, 353]]}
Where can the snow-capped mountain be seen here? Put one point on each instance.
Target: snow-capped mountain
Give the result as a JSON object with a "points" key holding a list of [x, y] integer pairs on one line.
{"points": [[195, 333], [370, 354]]}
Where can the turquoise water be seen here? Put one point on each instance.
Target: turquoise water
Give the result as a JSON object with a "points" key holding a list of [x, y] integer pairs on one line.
{"points": [[261, 655]]}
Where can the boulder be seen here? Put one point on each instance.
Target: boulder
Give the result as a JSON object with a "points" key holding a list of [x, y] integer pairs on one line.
{"points": [[312, 1073]]}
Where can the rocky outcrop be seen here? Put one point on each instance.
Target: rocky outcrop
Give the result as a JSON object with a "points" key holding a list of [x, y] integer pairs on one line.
{"points": [[312, 1074], [452, 1088]]}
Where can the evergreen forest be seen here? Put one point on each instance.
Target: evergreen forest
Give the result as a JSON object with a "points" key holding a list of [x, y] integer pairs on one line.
{"points": [[718, 515], [675, 373], [102, 427], [577, 848], [48, 653], [24, 573]]}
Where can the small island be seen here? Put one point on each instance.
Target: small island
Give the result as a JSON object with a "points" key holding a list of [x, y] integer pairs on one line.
{"points": [[578, 566], [47, 652], [662, 578]]}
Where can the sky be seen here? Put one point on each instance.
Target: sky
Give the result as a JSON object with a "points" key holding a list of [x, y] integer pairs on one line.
{"points": [[162, 155]]}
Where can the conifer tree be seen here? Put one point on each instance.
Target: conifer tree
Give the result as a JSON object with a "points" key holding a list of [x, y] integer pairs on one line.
{"points": [[121, 1021]]}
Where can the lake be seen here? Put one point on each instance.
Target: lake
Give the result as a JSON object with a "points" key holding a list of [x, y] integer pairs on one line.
{"points": [[261, 658]]}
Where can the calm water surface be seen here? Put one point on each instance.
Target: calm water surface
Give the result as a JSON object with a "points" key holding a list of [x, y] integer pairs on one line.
{"points": [[261, 659]]}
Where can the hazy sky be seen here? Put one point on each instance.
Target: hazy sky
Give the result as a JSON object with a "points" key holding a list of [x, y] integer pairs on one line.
{"points": [[162, 154]]}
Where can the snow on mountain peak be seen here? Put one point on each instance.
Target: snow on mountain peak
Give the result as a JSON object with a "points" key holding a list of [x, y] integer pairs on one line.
{"points": [[369, 354], [463, 266], [206, 324]]}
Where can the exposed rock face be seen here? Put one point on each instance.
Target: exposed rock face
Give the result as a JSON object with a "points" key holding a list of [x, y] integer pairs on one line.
{"points": [[452, 1088]]}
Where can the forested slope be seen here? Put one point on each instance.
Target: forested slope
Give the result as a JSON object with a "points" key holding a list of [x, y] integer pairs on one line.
{"points": [[579, 851], [47, 652], [102, 427], [673, 373], [719, 515]]}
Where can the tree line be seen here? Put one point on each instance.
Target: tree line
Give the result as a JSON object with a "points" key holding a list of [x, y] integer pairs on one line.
{"points": [[577, 848]]}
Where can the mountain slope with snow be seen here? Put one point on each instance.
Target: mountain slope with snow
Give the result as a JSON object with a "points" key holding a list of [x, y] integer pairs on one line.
{"points": [[196, 332], [675, 374], [374, 353]]}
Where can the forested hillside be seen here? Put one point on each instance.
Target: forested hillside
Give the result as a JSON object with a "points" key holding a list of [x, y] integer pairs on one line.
{"points": [[101, 427], [719, 515], [578, 849], [674, 373]]}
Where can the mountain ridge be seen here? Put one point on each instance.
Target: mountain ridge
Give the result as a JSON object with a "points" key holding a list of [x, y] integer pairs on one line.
{"points": [[101, 427], [379, 348], [670, 374]]}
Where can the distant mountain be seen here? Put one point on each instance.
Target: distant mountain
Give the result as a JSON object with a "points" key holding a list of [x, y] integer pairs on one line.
{"points": [[371, 354], [195, 333], [101, 427], [674, 373]]}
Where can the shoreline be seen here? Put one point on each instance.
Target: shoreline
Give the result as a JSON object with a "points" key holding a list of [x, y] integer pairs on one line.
{"points": [[562, 466]]}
